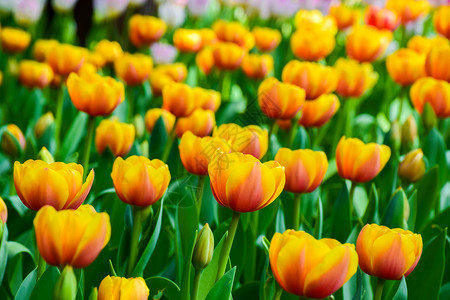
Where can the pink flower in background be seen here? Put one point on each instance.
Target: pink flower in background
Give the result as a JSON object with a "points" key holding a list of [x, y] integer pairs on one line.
{"points": [[378, 3], [109, 9], [285, 8], [163, 53], [437, 3], [63, 5], [172, 13], [6, 6], [27, 12], [198, 8]]}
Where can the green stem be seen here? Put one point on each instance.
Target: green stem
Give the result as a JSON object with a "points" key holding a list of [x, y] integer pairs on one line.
{"points": [[198, 273], [223, 259], [87, 145], [278, 293], [379, 289], [199, 192], [403, 38], [131, 100], [169, 144], [349, 116], [134, 243], [402, 100], [341, 119], [352, 209], [226, 86], [58, 117], [41, 265], [296, 212]]}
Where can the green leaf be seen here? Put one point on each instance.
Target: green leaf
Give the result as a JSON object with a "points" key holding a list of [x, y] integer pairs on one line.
{"points": [[158, 139], [341, 217], [222, 289], [436, 225], [412, 210], [3, 251], [394, 216], [19, 207], [319, 220], [434, 150], [45, 285], [402, 292], [246, 291], [427, 192], [27, 286], [370, 214], [165, 286], [74, 135], [358, 291], [125, 240], [186, 282]]}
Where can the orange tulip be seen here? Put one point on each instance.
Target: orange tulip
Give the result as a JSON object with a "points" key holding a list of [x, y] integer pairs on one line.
{"points": [[3, 211], [367, 43], [412, 167], [187, 40], [435, 92], [71, 237], [120, 288], [65, 58], [133, 69], [42, 47], [308, 267], [441, 20], [35, 74], [423, 45], [145, 30], [360, 162], [227, 56], [95, 60], [152, 116], [205, 60], [251, 139], [266, 39], [438, 62], [206, 99], [257, 66], [312, 44], [388, 253], [14, 40], [13, 138], [157, 81], [315, 79], [43, 123], [117, 136], [201, 122], [94, 94], [304, 169], [178, 99], [405, 66], [381, 18], [109, 50], [408, 10], [176, 71], [279, 100], [344, 16], [196, 152], [315, 113], [139, 181], [244, 184], [313, 19], [232, 32], [354, 78], [209, 37]]}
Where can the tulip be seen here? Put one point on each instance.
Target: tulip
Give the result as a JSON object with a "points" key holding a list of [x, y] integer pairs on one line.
{"points": [[232, 32], [133, 69], [117, 136], [187, 40], [313, 19], [66, 286], [360, 162], [209, 37], [409, 131], [423, 45], [163, 53], [157, 81], [367, 43], [344, 16], [432, 91], [172, 13], [94, 61], [405, 66], [266, 39], [257, 66], [139, 181], [145, 30], [306, 45], [207, 99], [109, 9], [27, 12], [308, 267], [3, 211], [43, 123], [201, 122], [441, 20], [408, 10], [203, 249], [176, 71], [94, 94], [315, 79], [152, 115], [42, 47], [109, 50], [13, 140], [412, 167], [227, 56], [14, 40], [316, 113], [205, 60], [381, 18], [178, 99], [65, 58], [280, 100], [437, 62], [251, 139], [388, 253], [354, 78], [77, 239], [120, 288], [35, 74]]}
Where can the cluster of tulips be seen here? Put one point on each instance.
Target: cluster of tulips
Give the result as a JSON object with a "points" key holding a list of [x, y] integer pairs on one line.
{"points": [[234, 156]]}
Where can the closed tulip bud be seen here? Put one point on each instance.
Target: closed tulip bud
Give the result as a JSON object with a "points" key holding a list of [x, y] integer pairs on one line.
{"points": [[94, 94], [257, 66], [314, 78], [117, 136], [42, 47], [3, 211], [94, 294], [178, 99], [405, 66], [432, 91], [109, 50], [317, 112], [423, 45], [266, 38], [367, 43], [408, 10], [388, 253], [304, 169], [187, 40], [133, 69], [227, 56], [120, 288], [279, 100], [35, 74], [429, 119], [139, 125], [308, 267], [409, 130], [150, 179], [313, 19], [152, 115], [344, 16], [201, 122], [395, 135], [412, 167], [209, 37], [233, 175], [354, 78], [360, 162], [205, 60], [14, 40], [232, 32], [46, 156], [13, 140], [145, 30], [65, 58], [251, 139], [381, 18], [197, 152], [207, 99], [441, 20], [437, 62], [66, 286], [312, 44], [203, 249]]}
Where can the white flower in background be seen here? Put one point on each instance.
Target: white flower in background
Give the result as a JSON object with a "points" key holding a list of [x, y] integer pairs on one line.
{"points": [[261, 8], [322, 5], [6, 6], [63, 5], [415, 27], [109, 9], [198, 8], [163, 53], [437, 3], [27, 12], [285, 8], [378, 3], [172, 13]]}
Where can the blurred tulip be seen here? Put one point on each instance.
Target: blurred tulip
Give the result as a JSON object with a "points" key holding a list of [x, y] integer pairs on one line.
{"points": [[232, 32], [139, 181], [109, 50], [206, 99], [133, 69], [313, 19], [27, 12], [14, 40], [152, 115], [3, 211], [227, 56], [13, 140], [163, 53], [43, 123], [197, 152], [381, 18], [42, 47], [314, 78], [205, 60], [56, 184], [360, 162], [354, 78], [120, 288], [95, 60], [317, 112], [203, 249], [438, 62], [45, 156], [63, 6], [177, 71], [408, 10], [405, 66], [200, 122], [178, 99], [209, 37], [312, 44], [65, 58], [432, 91], [157, 81], [423, 45], [187, 40], [145, 30], [409, 131], [94, 94], [117, 136], [109, 9], [388, 253], [279, 100], [344, 16], [266, 38], [244, 184], [34, 74], [367, 43], [441, 20], [77, 240], [257, 66], [251, 139], [412, 167], [308, 267]]}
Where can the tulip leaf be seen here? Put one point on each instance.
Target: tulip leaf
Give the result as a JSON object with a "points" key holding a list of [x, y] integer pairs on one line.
{"points": [[319, 219], [19, 207], [186, 281], [394, 216], [73, 137], [425, 280], [358, 292], [125, 240], [45, 285], [222, 289], [434, 151], [27, 286], [402, 292], [280, 225], [158, 139], [427, 194], [165, 286], [370, 215], [341, 218], [436, 225], [3, 251], [412, 210], [246, 291]]}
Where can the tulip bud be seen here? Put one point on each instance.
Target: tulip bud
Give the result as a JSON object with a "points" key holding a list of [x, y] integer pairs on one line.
{"points": [[396, 135], [144, 147], [66, 286], [94, 294], [409, 131], [139, 126], [46, 156], [13, 141], [412, 167], [43, 123], [3, 212], [204, 248], [428, 116]]}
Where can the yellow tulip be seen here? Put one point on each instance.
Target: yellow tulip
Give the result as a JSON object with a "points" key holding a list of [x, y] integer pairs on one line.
{"points": [[120, 288], [354, 78], [432, 91], [14, 40], [152, 116], [367, 43], [11, 138], [266, 38], [315, 113], [145, 30], [201, 122], [117, 136], [34, 74], [405, 66], [109, 50], [133, 69], [412, 167], [3, 211]]}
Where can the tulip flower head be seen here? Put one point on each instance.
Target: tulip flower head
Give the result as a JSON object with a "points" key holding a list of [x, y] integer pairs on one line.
{"points": [[187, 40], [120, 288], [232, 32], [205, 60], [65, 58], [145, 30], [354, 78], [408, 10], [35, 74], [227, 56], [412, 167], [306, 45], [201, 122], [3, 211], [344, 16], [317, 112], [313, 19], [152, 116], [13, 141], [207, 99], [423, 45], [438, 62], [405, 66], [14, 40], [432, 91], [441, 20], [178, 99], [367, 43], [133, 69], [163, 53], [109, 50], [266, 39], [43, 123], [42, 47], [257, 66], [381, 18], [203, 249], [117, 136]]}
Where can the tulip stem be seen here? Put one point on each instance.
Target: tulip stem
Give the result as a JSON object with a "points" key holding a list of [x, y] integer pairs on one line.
{"points": [[169, 144], [197, 276], [379, 289], [134, 243], [296, 212], [199, 192], [87, 145], [226, 85], [352, 209], [58, 117], [227, 245], [278, 293], [131, 100]]}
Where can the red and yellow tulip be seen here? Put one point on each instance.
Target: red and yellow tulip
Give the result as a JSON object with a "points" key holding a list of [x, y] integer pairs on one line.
{"points": [[201, 122], [354, 78], [117, 136], [133, 69], [153, 114], [317, 112], [437, 62], [367, 43], [266, 39], [412, 167], [145, 30], [405, 66], [432, 91], [34, 74]]}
